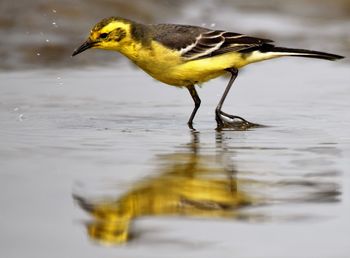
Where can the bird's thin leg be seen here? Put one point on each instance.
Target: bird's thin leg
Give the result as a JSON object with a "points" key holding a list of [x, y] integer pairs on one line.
{"points": [[197, 103], [218, 113]]}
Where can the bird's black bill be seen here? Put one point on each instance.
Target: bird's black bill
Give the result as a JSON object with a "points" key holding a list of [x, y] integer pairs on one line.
{"points": [[86, 45]]}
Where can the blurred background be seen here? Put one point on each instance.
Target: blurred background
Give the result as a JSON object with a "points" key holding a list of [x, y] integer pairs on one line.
{"points": [[43, 33]]}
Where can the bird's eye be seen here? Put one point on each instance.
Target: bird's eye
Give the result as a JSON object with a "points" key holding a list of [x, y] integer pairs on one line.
{"points": [[103, 35]]}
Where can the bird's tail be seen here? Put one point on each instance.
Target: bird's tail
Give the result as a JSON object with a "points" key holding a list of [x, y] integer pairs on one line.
{"points": [[282, 51]]}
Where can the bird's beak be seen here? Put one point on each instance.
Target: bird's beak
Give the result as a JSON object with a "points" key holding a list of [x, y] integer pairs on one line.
{"points": [[86, 45]]}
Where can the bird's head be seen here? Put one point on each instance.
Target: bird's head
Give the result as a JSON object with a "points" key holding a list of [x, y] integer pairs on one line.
{"points": [[110, 33]]}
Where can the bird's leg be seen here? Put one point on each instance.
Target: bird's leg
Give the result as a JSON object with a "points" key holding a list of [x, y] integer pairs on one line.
{"points": [[197, 103], [220, 115]]}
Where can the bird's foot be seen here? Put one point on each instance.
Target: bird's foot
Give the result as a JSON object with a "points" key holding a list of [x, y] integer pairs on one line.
{"points": [[190, 126], [228, 121]]}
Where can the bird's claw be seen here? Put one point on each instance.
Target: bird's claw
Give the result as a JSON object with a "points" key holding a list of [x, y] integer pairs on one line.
{"points": [[225, 120]]}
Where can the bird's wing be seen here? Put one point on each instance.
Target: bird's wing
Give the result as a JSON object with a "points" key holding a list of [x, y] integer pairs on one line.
{"points": [[217, 42], [196, 42], [175, 36]]}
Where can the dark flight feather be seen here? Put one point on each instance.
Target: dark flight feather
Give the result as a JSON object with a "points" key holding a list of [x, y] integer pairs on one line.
{"points": [[197, 42]]}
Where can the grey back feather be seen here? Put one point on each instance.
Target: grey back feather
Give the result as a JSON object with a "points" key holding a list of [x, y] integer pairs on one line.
{"points": [[197, 42]]}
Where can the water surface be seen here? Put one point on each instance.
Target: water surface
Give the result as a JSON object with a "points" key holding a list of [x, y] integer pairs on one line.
{"points": [[89, 135]]}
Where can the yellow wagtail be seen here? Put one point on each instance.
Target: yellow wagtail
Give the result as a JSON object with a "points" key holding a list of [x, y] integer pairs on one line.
{"points": [[183, 55]]}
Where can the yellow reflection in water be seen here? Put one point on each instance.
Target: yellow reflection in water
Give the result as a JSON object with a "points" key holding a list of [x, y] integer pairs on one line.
{"points": [[189, 184], [197, 182]]}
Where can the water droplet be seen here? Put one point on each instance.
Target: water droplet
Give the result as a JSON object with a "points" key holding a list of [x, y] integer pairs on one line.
{"points": [[16, 109], [20, 117], [54, 24], [47, 40], [54, 11], [38, 54], [213, 25], [60, 82]]}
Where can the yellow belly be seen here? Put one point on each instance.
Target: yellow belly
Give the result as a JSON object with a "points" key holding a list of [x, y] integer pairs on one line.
{"points": [[202, 70], [180, 76], [167, 66], [197, 71], [186, 73]]}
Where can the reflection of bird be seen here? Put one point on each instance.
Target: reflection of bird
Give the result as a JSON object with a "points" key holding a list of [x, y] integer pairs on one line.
{"points": [[183, 55], [190, 185], [197, 185]]}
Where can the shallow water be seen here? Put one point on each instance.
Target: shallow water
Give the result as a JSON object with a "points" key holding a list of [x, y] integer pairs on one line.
{"points": [[89, 135], [98, 161]]}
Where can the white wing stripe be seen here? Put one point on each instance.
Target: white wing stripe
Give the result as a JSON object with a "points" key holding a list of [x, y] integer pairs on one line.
{"points": [[212, 42], [197, 49], [204, 53], [190, 47]]}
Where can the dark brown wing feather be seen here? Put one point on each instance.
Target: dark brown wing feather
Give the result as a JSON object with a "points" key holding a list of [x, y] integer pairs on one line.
{"points": [[238, 42], [205, 44], [197, 42], [176, 36]]}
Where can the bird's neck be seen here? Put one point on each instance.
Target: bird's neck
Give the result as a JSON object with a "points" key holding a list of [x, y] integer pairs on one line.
{"points": [[131, 50]]}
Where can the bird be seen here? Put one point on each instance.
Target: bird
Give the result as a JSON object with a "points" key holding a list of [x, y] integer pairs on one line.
{"points": [[187, 56]]}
